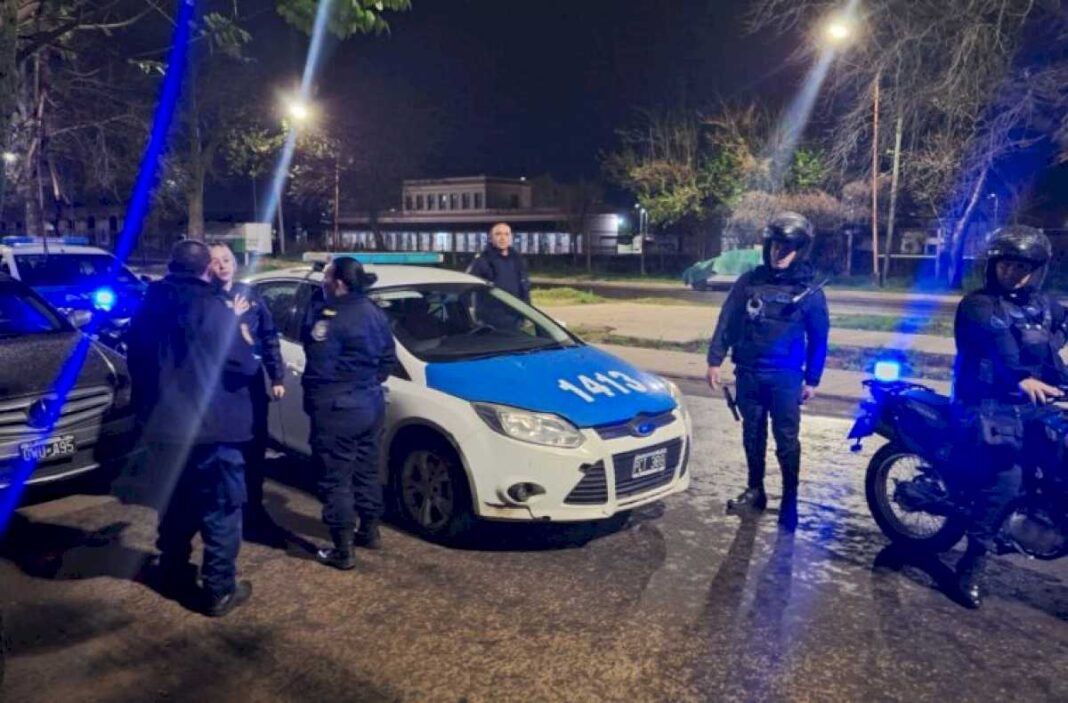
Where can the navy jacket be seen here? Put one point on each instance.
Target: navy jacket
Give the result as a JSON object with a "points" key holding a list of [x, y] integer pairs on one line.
{"points": [[190, 365], [508, 273], [1003, 339], [261, 325], [764, 331], [348, 346]]}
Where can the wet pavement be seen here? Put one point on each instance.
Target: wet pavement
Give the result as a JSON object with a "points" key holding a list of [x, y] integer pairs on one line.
{"points": [[679, 603]]}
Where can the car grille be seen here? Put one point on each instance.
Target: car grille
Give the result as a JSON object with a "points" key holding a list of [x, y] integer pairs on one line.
{"points": [[592, 489], [623, 463], [626, 429], [82, 404]]}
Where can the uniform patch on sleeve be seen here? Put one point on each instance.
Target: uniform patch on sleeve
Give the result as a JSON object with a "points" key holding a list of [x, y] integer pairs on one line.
{"points": [[319, 330], [997, 323]]}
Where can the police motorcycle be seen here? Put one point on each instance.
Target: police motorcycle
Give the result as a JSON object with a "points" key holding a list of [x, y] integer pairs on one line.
{"points": [[917, 484]]}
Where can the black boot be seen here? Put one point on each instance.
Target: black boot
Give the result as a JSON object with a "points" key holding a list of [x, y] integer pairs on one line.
{"points": [[788, 512], [970, 571], [367, 535], [340, 556], [749, 498], [220, 606]]}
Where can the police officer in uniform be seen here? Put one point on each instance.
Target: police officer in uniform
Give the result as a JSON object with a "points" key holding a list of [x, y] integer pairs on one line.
{"points": [[775, 325], [257, 523], [1007, 334], [191, 361], [350, 354]]}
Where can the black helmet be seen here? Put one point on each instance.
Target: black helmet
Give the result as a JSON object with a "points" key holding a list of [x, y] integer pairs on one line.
{"points": [[789, 228], [1018, 243]]}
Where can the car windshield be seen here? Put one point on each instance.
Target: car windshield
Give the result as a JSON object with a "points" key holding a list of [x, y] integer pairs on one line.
{"points": [[23, 313], [65, 269], [454, 322]]}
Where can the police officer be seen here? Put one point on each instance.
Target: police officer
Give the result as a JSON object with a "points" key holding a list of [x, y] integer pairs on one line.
{"points": [[775, 325], [503, 266], [191, 362], [350, 354], [1007, 335], [257, 522]]}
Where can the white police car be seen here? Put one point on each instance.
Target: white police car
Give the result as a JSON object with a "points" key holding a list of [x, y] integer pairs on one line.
{"points": [[72, 276], [495, 410]]}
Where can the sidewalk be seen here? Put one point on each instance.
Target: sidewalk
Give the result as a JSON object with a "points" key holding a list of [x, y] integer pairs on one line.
{"points": [[725, 281], [686, 323]]}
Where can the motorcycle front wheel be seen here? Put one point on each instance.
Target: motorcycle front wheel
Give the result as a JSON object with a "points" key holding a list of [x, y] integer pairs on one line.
{"points": [[912, 529]]}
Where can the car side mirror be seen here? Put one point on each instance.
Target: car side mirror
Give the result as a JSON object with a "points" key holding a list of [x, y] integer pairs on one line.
{"points": [[80, 318]]}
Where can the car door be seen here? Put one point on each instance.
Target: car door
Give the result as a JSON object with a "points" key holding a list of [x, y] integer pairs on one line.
{"points": [[286, 299]]}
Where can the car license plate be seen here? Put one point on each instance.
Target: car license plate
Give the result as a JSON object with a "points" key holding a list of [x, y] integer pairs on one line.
{"points": [[649, 463], [46, 450]]}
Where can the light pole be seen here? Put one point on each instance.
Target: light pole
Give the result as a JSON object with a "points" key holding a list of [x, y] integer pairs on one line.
{"points": [[994, 197], [9, 160]]}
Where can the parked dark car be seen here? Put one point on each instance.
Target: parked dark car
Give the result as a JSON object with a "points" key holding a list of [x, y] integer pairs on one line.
{"points": [[64, 399]]}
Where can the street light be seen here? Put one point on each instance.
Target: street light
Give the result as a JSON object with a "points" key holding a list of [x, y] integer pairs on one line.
{"points": [[10, 157], [298, 110], [838, 31]]}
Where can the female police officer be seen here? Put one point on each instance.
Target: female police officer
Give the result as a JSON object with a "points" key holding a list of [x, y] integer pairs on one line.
{"points": [[350, 353]]}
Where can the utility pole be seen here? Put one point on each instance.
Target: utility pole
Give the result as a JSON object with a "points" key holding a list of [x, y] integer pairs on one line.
{"points": [[337, 199], [875, 179], [891, 221]]}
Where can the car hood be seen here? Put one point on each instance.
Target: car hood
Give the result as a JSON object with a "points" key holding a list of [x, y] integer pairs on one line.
{"points": [[567, 382], [32, 364]]}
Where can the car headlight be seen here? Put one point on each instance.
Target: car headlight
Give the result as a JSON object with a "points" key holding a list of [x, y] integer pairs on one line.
{"points": [[677, 396], [526, 426]]}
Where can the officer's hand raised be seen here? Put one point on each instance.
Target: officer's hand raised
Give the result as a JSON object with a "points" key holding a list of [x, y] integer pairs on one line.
{"points": [[714, 378], [1039, 392], [241, 305]]}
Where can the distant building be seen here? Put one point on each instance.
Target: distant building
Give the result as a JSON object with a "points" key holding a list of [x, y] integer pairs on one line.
{"points": [[101, 223], [456, 214]]}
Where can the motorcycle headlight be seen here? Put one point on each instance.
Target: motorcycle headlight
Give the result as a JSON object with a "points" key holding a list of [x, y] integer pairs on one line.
{"points": [[526, 426]]}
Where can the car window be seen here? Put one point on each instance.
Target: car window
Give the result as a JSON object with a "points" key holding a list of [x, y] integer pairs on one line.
{"points": [[22, 313], [452, 322], [65, 269], [280, 297]]}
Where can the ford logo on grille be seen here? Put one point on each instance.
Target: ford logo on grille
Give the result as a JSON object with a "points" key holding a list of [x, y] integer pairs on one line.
{"points": [[42, 413], [643, 429]]}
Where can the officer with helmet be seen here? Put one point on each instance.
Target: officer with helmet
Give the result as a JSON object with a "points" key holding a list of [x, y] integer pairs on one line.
{"points": [[1008, 334], [774, 324]]}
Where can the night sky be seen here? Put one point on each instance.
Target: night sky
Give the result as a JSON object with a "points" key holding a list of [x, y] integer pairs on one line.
{"points": [[525, 87]]}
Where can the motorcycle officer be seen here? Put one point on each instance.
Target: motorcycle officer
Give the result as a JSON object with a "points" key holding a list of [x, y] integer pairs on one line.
{"points": [[1007, 335], [350, 353], [775, 325]]}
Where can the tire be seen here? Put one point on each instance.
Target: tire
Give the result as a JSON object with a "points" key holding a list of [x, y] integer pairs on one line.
{"points": [[878, 491], [430, 489], [700, 285]]}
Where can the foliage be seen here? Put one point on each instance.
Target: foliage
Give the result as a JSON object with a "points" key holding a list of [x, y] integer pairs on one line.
{"points": [[348, 17]]}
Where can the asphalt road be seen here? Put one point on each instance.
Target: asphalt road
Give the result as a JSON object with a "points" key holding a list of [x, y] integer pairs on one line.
{"points": [[681, 603]]}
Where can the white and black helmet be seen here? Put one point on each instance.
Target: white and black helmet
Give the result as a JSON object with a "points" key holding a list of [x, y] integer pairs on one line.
{"points": [[789, 228], [1018, 243]]}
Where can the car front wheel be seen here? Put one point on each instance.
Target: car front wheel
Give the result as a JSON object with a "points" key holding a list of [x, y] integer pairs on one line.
{"points": [[431, 490]]}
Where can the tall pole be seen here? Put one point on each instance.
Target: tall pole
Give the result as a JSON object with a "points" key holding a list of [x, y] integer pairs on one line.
{"points": [[281, 230], [337, 200], [875, 180], [891, 220]]}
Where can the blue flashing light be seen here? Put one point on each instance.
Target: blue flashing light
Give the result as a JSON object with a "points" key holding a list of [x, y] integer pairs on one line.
{"points": [[887, 371], [104, 299], [16, 240], [83, 241]]}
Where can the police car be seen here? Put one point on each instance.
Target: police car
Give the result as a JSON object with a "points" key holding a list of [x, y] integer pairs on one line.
{"points": [[495, 410], [72, 276]]}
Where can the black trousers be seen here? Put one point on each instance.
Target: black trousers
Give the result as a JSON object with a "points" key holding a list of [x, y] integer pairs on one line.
{"points": [[344, 442], [776, 394], [256, 451], [207, 498]]}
